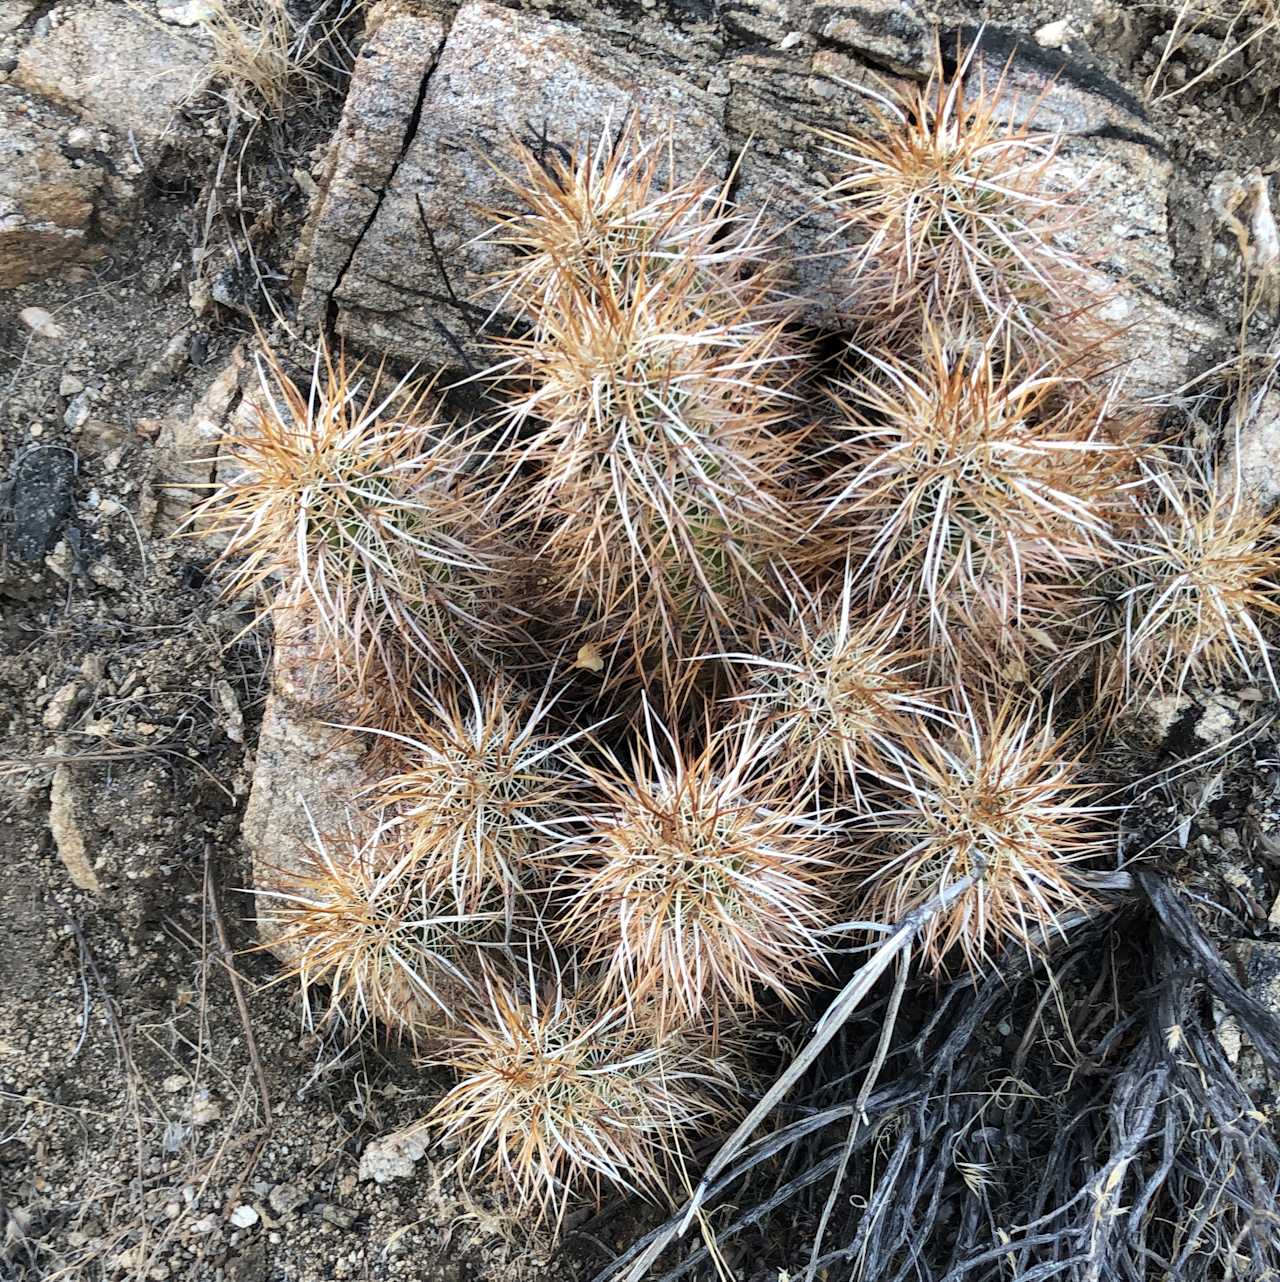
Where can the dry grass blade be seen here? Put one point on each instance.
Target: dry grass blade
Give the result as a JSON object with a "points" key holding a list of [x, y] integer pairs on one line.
{"points": [[556, 1096], [695, 883], [996, 802], [1110, 1132], [960, 215], [896, 942], [1237, 26]]}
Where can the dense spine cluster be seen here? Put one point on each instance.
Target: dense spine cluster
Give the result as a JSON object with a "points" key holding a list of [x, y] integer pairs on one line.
{"points": [[832, 613]]}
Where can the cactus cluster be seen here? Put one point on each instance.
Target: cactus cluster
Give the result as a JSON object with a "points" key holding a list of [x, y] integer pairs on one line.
{"points": [[701, 646]]}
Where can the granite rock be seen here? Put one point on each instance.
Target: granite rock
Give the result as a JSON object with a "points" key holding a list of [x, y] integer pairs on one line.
{"points": [[306, 771], [116, 67], [189, 458], [500, 78], [49, 195], [393, 251]]}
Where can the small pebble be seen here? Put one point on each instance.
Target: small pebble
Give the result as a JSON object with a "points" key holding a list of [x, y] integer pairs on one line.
{"points": [[1054, 35], [78, 412], [286, 1198], [58, 711], [41, 322], [244, 1216], [338, 1216]]}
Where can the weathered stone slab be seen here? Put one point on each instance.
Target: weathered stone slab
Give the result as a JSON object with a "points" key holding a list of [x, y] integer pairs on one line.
{"points": [[117, 67], [48, 193], [187, 446], [382, 108], [306, 773], [1257, 452], [93, 102], [426, 120], [891, 34], [501, 76]]}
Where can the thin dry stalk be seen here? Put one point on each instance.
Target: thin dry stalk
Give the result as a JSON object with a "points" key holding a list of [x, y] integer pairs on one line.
{"points": [[1238, 25]]}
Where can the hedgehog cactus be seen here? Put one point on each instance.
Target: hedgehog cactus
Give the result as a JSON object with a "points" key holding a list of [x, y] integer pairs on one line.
{"points": [[558, 1094], [976, 490], [477, 782], [580, 905], [649, 444], [356, 499], [960, 214], [694, 884]]}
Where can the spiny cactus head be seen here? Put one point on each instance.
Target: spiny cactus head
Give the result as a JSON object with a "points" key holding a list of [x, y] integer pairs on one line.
{"points": [[648, 451], [838, 684], [557, 1097], [961, 214], [595, 214], [969, 475], [1196, 595], [694, 884], [392, 951], [479, 780], [353, 494], [998, 798]]}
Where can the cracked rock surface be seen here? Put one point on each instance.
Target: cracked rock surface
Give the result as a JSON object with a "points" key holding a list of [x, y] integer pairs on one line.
{"points": [[412, 173], [392, 254]]}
